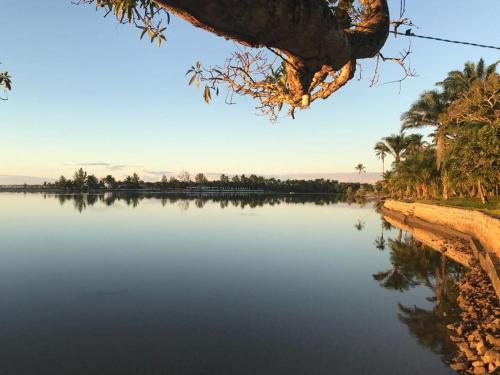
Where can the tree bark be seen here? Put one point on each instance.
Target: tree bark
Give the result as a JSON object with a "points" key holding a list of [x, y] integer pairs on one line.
{"points": [[307, 32], [445, 185], [425, 190], [481, 193]]}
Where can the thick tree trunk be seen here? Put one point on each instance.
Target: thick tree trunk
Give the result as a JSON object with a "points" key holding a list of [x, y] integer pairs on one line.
{"points": [[306, 31], [440, 145]]}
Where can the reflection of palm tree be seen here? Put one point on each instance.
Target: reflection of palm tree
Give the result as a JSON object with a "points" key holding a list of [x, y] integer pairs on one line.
{"points": [[429, 326], [414, 264], [400, 235], [380, 242], [359, 225], [410, 265], [395, 279], [386, 224]]}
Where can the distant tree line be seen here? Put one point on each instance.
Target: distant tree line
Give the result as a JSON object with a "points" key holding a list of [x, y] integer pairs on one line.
{"points": [[82, 182]]}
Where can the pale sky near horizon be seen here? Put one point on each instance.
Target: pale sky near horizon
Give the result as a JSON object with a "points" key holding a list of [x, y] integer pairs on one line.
{"points": [[87, 91]]}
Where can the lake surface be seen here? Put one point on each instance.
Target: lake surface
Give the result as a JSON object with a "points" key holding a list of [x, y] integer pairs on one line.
{"points": [[252, 285]]}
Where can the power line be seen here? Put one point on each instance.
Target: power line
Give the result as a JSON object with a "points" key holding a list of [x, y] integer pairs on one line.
{"points": [[409, 33]]}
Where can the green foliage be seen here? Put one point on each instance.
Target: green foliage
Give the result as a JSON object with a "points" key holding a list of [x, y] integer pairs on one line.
{"points": [[109, 182], [200, 179], [360, 168], [83, 182], [465, 157], [5, 82], [79, 178], [92, 182], [146, 15]]}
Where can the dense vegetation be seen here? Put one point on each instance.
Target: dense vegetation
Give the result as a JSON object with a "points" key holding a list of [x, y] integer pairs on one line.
{"points": [[83, 182], [463, 158]]}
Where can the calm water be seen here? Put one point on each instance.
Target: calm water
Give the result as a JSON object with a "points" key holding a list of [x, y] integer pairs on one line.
{"points": [[163, 285]]}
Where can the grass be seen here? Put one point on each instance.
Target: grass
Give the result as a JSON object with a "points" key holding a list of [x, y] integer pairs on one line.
{"points": [[492, 207]]}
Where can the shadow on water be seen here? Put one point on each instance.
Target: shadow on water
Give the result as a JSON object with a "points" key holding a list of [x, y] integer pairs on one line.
{"points": [[416, 265]]}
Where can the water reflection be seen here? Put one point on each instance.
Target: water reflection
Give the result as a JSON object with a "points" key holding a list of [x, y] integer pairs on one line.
{"points": [[224, 289], [360, 224], [413, 264], [380, 242], [82, 201]]}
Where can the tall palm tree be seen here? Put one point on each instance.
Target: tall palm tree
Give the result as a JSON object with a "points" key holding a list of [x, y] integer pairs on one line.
{"points": [[395, 144], [428, 111], [5, 82], [430, 107], [459, 81], [360, 168], [381, 151]]}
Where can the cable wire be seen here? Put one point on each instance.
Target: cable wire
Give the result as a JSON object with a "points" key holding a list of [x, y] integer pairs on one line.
{"points": [[409, 33]]}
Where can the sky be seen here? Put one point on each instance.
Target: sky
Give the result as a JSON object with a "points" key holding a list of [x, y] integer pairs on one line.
{"points": [[89, 93]]}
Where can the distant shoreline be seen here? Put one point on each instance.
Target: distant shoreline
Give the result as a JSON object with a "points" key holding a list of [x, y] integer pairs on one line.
{"points": [[155, 191], [187, 192]]}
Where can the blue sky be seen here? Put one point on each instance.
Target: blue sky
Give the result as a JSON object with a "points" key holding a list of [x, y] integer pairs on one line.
{"points": [[88, 91]]}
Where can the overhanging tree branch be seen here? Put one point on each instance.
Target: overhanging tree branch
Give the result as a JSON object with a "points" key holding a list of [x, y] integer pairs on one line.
{"points": [[315, 38]]}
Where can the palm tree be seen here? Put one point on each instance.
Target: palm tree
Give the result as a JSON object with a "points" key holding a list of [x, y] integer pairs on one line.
{"points": [[360, 168], [415, 143], [5, 82], [381, 151], [457, 82], [395, 145], [428, 111]]}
